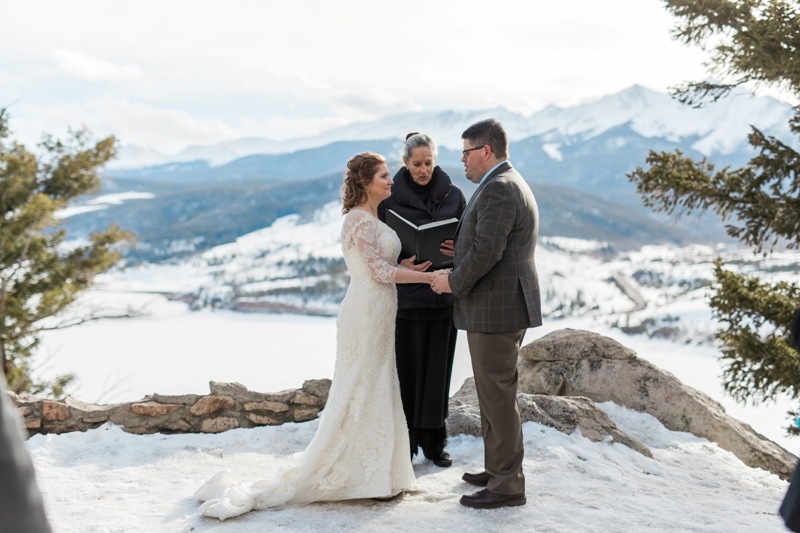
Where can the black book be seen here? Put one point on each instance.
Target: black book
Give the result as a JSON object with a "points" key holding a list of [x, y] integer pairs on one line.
{"points": [[423, 241]]}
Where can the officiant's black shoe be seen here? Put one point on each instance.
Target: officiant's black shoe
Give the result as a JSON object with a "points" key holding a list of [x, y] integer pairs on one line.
{"points": [[433, 442], [481, 479], [486, 499], [444, 460]]}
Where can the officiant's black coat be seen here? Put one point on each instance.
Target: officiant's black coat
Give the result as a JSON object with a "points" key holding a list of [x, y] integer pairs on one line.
{"points": [[426, 339], [440, 199]]}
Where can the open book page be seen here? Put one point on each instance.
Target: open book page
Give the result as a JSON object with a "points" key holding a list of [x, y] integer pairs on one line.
{"points": [[423, 241]]}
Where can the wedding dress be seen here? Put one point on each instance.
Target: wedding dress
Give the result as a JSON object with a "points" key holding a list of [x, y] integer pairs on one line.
{"points": [[360, 449]]}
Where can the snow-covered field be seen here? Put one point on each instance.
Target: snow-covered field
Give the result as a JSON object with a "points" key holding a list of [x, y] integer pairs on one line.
{"points": [[110, 481]]}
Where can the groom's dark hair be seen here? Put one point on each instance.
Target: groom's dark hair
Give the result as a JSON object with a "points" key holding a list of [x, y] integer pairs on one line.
{"points": [[490, 133]]}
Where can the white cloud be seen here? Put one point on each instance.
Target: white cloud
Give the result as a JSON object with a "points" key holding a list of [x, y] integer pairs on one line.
{"points": [[90, 68], [169, 129], [373, 101], [286, 127], [148, 125], [212, 71]]}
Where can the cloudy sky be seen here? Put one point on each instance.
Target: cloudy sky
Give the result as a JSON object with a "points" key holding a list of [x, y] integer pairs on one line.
{"points": [[167, 74]]}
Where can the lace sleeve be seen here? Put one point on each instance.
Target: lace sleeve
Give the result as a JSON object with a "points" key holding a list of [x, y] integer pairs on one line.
{"points": [[361, 230]]}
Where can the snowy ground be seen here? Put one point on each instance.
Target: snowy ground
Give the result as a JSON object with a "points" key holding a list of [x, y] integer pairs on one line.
{"points": [[109, 481]]}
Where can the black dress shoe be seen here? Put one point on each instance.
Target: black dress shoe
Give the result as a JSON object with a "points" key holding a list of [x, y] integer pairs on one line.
{"points": [[433, 443], [444, 460], [480, 479], [486, 499]]}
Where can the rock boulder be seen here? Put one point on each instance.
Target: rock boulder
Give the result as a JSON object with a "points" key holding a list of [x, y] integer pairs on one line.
{"points": [[582, 363], [563, 414]]}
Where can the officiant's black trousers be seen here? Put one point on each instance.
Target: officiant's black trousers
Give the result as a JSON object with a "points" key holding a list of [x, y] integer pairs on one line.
{"points": [[425, 351]]}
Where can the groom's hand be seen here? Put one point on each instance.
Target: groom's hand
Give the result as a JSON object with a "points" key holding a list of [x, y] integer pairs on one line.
{"points": [[441, 282]]}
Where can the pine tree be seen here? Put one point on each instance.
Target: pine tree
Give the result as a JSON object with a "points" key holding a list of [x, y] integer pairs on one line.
{"points": [[40, 276], [751, 42]]}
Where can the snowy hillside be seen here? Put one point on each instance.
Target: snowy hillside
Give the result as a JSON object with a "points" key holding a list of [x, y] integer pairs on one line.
{"points": [[295, 265], [657, 291]]}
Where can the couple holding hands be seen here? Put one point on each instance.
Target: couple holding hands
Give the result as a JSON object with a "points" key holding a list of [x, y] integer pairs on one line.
{"points": [[396, 334]]}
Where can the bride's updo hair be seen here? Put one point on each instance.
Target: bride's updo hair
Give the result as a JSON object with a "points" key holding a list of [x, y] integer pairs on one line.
{"points": [[361, 169]]}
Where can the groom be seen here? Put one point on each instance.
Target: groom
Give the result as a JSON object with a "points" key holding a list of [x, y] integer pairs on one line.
{"points": [[497, 299]]}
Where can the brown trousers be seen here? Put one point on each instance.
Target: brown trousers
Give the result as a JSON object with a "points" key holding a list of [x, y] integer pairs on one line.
{"points": [[494, 365]]}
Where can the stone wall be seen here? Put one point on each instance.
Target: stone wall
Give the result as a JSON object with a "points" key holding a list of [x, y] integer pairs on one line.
{"points": [[229, 406]]}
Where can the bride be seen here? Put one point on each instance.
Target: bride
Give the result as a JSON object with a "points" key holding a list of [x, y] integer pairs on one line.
{"points": [[360, 449]]}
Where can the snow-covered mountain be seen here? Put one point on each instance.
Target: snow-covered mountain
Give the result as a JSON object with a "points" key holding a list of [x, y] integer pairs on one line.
{"points": [[718, 128], [295, 265], [577, 160]]}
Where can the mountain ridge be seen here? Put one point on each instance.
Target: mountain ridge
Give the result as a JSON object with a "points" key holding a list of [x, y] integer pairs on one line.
{"points": [[579, 158], [720, 128]]}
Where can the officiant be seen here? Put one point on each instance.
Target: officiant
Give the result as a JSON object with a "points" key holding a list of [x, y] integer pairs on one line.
{"points": [[425, 340]]}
